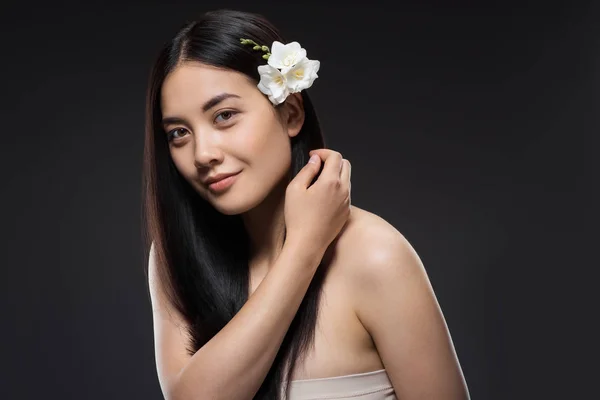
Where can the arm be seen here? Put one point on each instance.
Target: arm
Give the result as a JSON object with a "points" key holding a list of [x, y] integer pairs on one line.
{"points": [[398, 307], [235, 362]]}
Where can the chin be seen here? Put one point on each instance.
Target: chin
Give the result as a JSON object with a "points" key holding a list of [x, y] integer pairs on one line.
{"points": [[230, 210], [237, 204]]}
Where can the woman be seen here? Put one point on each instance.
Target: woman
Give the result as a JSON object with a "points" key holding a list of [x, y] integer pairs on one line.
{"points": [[269, 276]]}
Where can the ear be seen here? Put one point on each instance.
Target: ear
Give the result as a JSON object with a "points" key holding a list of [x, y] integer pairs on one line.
{"points": [[294, 113]]}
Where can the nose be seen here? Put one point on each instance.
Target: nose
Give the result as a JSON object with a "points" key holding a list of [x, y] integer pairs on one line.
{"points": [[206, 151]]}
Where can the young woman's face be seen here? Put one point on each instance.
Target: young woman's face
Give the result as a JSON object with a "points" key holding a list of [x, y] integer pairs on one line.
{"points": [[218, 122]]}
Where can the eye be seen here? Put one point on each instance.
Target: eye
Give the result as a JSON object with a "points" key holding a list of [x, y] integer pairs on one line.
{"points": [[171, 134], [225, 115]]}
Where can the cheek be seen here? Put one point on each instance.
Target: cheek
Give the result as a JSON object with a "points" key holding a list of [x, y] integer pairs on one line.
{"points": [[179, 161], [267, 145], [184, 164]]}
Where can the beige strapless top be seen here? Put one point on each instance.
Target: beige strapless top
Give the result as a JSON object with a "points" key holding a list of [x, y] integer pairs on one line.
{"points": [[373, 385]]}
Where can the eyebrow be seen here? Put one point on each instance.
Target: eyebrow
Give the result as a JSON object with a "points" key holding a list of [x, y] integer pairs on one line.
{"points": [[205, 107]]}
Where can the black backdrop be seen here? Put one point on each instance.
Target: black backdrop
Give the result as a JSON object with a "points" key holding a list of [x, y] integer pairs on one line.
{"points": [[469, 128]]}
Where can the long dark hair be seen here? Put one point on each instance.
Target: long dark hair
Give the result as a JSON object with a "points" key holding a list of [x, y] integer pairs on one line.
{"points": [[201, 254]]}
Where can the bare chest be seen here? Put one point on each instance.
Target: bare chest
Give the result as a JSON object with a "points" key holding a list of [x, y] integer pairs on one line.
{"points": [[342, 346]]}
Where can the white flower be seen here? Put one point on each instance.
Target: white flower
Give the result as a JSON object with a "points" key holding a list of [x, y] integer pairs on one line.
{"points": [[286, 56], [287, 70], [273, 83], [302, 75]]}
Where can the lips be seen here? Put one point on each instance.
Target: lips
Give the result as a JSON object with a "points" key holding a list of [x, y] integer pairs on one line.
{"points": [[224, 183], [219, 177]]}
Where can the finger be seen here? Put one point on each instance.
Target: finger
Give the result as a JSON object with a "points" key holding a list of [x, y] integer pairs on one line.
{"points": [[306, 175], [321, 152], [333, 161], [345, 173]]}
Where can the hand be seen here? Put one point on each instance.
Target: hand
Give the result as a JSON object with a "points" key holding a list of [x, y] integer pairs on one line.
{"points": [[315, 214]]}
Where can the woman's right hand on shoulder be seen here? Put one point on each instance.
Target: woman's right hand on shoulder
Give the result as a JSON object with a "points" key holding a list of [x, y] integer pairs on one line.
{"points": [[315, 214]]}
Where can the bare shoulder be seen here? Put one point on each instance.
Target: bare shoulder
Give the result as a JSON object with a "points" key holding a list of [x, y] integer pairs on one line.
{"points": [[364, 224], [372, 251], [369, 239], [394, 301]]}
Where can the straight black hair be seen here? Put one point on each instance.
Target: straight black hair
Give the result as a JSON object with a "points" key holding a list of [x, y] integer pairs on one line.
{"points": [[201, 254]]}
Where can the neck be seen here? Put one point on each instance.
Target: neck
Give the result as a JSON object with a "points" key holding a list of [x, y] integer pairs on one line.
{"points": [[265, 225]]}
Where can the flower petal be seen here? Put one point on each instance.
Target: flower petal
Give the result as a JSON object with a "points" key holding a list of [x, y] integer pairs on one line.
{"points": [[272, 83], [293, 47], [277, 54], [277, 47], [285, 56], [280, 98], [302, 75], [269, 73]]}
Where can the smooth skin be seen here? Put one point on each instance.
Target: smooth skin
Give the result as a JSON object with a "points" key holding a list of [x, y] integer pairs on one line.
{"points": [[226, 367], [378, 309]]}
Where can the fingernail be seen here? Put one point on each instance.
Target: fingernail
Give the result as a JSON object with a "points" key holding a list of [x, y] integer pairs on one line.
{"points": [[313, 159]]}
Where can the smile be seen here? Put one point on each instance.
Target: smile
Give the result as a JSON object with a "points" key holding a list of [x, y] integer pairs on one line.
{"points": [[223, 184]]}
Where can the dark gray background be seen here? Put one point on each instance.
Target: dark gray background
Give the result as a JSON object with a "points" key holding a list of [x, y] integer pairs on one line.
{"points": [[469, 128]]}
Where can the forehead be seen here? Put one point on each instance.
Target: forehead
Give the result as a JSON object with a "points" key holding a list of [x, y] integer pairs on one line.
{"points": [[193, 83]]}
